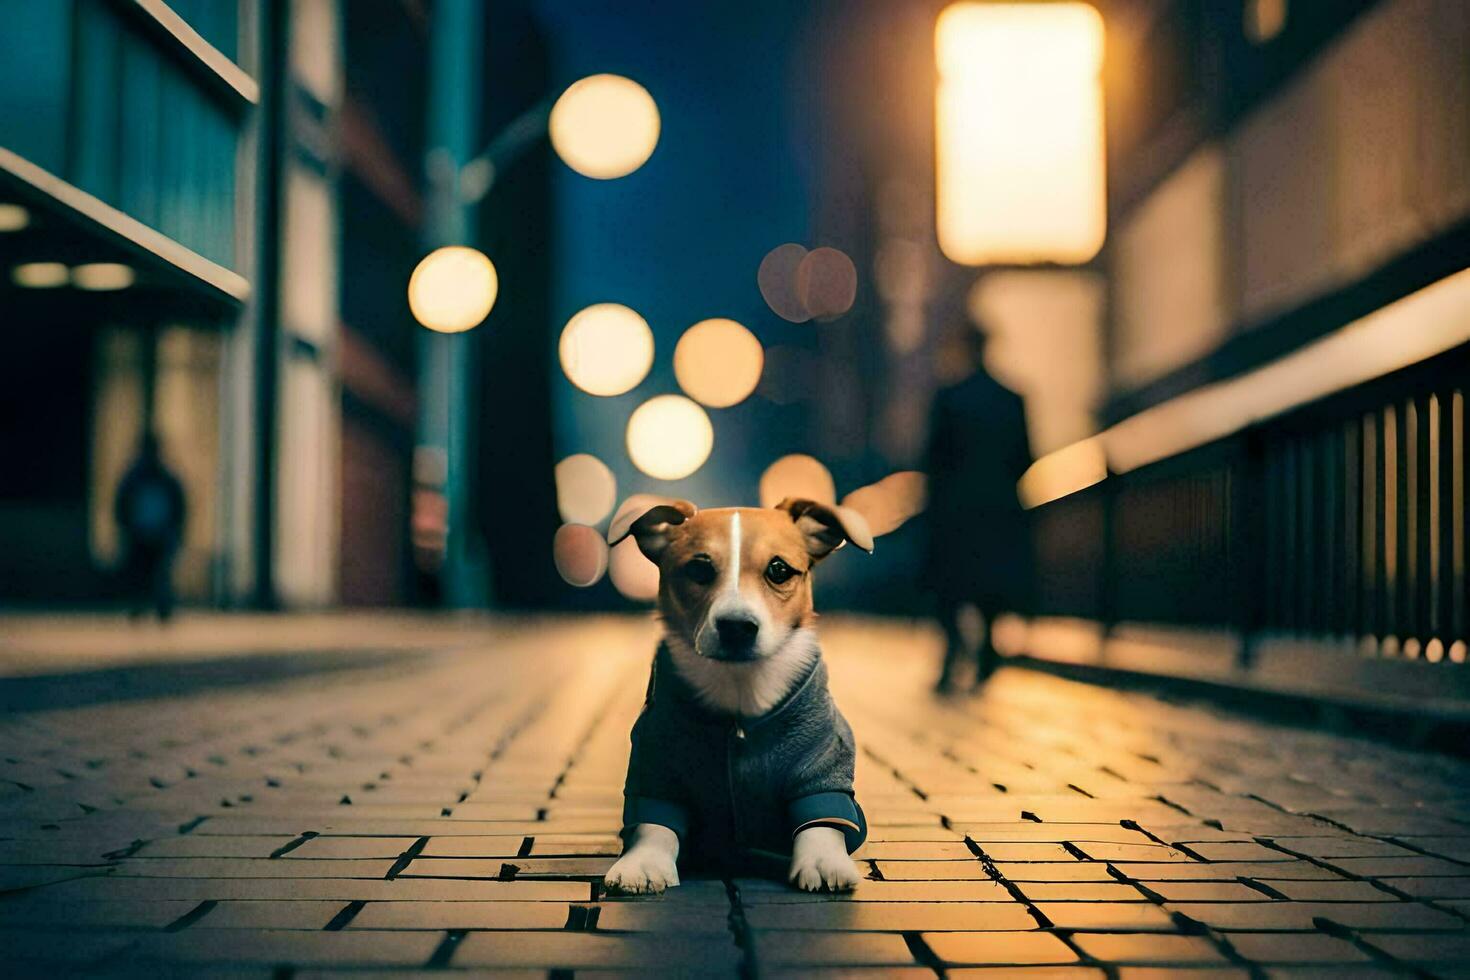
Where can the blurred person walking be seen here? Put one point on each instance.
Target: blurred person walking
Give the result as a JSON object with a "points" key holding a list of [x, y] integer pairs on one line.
{"points": [[979, 555], [150, 511]]}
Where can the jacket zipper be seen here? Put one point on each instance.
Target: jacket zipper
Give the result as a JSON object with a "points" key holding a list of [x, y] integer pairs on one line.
{"points": [[735, 739]]}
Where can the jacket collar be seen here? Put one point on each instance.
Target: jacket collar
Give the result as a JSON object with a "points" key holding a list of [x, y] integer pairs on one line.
{"points": [[669, 684]]}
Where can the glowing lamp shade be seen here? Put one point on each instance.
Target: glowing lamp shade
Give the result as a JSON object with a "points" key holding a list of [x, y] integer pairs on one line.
{"points": [[718, 362], [580, 555], [585, 489], [669, 437], [1019, 133], [606, 349], [604, 126], [797, 475], [453, 289]]}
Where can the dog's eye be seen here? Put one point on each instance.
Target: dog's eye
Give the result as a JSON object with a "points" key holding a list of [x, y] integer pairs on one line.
{"points": [[701, 571], [778, 572]]}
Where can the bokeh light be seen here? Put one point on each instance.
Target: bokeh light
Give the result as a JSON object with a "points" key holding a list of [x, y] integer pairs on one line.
{"points": [[633, 574], [40, 275], [718, 362], [826, 283], [891, 501], [777, 281], [797, 475], [580, 554], [585, 489], [669, 437], [606, 349], [453, 289], [605, 126], [103, 276], [13, 217]]}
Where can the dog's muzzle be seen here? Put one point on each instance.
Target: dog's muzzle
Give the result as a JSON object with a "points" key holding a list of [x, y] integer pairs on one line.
{"points": [[737, 637]]}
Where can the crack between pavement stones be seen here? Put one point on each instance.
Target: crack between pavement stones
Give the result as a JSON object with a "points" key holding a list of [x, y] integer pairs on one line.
{"points": [[741, 932], [344, 915], [439, 960], [1181, 848], [922, 954], [1011, 887], [406, 858], [192, 916], [290, 846]]}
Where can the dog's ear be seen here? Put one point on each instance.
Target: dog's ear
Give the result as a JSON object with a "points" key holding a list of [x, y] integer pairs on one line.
{"points": [[827, 527], [649, 519]]}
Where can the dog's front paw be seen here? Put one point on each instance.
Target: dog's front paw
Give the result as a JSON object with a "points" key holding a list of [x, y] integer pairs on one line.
{"points": [[812, 872], [642, 872]]}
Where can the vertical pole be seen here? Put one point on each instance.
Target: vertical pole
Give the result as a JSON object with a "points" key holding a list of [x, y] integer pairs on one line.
{"points": [[446, 361], [275, 38]]}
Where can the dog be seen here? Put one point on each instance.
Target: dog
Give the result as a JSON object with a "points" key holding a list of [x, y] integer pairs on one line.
{"points": [[740, 757]]}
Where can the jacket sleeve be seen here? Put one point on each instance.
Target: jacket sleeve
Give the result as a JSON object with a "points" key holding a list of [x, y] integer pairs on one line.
{"points": [[819, 793], [649, 795]]}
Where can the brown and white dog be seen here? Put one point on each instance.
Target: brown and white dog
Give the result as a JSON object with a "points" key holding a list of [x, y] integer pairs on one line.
{"points": [[745, 715]]}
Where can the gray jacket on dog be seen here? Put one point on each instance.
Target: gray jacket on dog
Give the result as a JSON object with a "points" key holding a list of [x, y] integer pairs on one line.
{"points": [[731, 787]]}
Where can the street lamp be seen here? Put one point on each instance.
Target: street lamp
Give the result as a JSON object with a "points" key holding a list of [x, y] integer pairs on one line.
{"points": [[455, 286]]}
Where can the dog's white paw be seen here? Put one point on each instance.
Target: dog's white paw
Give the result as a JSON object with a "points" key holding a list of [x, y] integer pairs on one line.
{"points": [[641, 872], [814, 873]]}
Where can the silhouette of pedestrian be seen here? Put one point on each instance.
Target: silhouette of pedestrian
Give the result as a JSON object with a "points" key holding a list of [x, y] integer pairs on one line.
{"points": [[150, 511], [979, 556]]}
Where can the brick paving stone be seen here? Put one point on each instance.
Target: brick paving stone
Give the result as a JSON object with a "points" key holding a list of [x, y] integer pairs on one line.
{"points": [[971, 870], [999, 948], [281, 946], [574, 950], [1150, 949], [346, 889], [305, 914], [883, 891], [1108, 851], [461, 915], [1431, 887], [1108, 916], [661, 917], [1027, 972], [1080, 891], [1208, 891], [1057, 871], [1430, 948], [1237, 851], [215, 847], [890, 916], [1283, 948], [1226, 871], [31, 909], [832, 973], [1332, 891], [1402, 867], [780, 949], [1340, 847], [1302, 916], [247, 868], [1051, 833], [339, 848]]}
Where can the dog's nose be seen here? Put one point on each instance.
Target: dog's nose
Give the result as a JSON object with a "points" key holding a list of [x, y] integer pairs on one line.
{"points": [[736, 632]]}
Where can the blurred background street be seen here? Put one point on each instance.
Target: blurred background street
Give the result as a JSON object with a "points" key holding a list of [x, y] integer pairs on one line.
{"points": [[333, 333]]}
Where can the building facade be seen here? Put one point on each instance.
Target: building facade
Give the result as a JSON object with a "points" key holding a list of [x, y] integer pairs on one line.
{"points": [[180, 185]]}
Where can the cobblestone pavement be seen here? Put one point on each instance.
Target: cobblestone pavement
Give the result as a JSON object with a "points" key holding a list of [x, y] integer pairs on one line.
{"points": [[456, 810]]}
